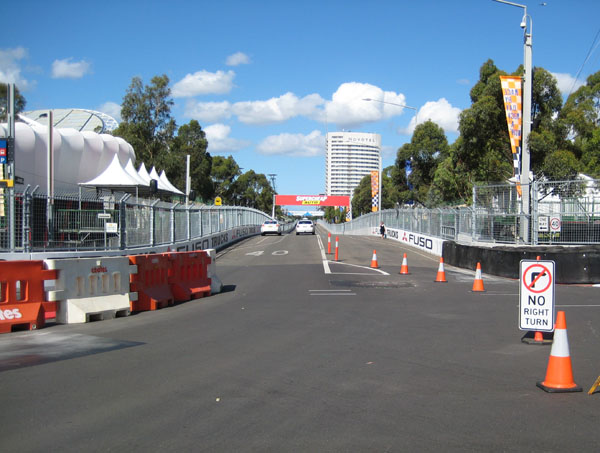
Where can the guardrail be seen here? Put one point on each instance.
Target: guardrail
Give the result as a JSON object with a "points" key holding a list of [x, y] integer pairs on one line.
{"points": [[561, 213], [91, 222]]}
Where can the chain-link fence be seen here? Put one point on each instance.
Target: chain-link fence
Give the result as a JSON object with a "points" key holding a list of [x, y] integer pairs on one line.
{"points": [[91, 221], [563, 212]]}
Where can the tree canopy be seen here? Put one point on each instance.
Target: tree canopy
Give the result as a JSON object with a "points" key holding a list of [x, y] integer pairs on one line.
{"points": [[564, 140]]}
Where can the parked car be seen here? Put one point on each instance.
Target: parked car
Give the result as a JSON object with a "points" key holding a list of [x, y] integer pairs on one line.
{"points": [[270, 227], [305, 227]]}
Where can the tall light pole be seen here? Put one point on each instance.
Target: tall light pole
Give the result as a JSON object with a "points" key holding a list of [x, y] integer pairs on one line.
{"points": [[527, 84], [397, 105], [272, 176]]}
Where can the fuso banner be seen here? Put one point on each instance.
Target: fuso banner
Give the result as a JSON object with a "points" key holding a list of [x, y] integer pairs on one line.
{"points": [[312, 200]]}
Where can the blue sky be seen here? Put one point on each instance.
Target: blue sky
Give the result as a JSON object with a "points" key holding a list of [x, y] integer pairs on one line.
{"points": [[267, 79]]}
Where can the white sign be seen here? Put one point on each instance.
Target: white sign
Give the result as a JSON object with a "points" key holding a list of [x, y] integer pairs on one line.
{"points": [[536, 296], [555, 224], [111, 227], [103, 215], [543, 224]]}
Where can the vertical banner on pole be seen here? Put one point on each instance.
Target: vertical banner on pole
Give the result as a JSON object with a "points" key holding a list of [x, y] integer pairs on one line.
{"points": [[374, 190], [512, 94]]}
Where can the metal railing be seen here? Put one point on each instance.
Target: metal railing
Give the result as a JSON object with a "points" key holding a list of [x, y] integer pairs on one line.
{"points": [[90, 221], [561, 212]]}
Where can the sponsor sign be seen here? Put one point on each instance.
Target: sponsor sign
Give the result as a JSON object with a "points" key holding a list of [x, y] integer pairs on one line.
{"points": [[426, 243], [9, 314], [536, 295], [3, 151], [312, 200]]}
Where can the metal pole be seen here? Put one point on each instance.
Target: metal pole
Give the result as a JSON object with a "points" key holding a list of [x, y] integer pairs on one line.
{"points": [[525, 156], [11, 167], [50, 177], [187, 179]]}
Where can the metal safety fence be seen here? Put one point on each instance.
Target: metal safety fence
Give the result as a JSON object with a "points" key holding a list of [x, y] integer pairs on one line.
{"points": [[30, 221], [544, 213]]}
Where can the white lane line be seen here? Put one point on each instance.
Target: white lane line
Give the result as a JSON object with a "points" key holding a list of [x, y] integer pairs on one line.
{"points": [[362, 267], [328, 290], [334, 294], [323, 256]]}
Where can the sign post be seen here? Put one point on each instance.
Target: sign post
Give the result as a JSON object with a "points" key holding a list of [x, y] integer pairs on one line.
{"points": [[536, 295]]}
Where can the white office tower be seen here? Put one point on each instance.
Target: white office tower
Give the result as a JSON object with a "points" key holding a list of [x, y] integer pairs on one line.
{"points": [[349, 157]]}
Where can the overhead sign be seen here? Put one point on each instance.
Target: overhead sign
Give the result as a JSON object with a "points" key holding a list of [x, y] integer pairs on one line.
{"points": [[312, 200], [536, 295]]}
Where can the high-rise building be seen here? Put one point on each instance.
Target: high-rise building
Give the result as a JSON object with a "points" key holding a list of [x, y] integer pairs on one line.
{"points": [[349, 157]]}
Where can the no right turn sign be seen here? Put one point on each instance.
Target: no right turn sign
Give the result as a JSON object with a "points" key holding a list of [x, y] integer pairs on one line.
{"points": [[536, 295]]}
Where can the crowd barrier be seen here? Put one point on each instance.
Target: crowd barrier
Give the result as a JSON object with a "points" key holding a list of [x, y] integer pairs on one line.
{"points": [[23, 303], [93, 289], [188, 277]]}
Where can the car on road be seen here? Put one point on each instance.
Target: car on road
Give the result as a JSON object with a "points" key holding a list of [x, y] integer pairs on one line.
{"points": [[305, 227], [270, 227]]}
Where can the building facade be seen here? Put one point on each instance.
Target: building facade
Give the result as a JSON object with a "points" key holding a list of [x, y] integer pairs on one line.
{"points": [[349, 157]]}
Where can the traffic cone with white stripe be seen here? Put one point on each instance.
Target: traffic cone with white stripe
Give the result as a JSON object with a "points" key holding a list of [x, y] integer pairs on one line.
{"points": [[559, 375], [374, 263], [478, 282], [441, 274], [404, 267]]}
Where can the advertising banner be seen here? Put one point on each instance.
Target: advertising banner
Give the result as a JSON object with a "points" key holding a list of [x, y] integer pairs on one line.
{"points": [[511, 93], [312, 200], [374, 190]]}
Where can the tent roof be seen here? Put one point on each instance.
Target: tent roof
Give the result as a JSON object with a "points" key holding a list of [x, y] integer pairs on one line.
{"points": [[166, 182], [114, 177]]}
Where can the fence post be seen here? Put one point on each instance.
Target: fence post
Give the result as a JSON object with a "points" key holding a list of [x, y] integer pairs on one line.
{"points": [[122, 223]]}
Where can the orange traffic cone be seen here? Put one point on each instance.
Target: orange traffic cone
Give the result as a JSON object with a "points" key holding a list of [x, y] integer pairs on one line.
{"points": [[559, 375], [441, 274], [404, 268], [478, 282], [374, 264]]}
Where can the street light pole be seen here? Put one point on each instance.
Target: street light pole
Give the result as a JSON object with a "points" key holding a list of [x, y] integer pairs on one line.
{"points": [[380, 157], [527, 92], [272, 176], [397, 105]]}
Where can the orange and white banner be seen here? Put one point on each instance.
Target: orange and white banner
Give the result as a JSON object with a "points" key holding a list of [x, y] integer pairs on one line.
{"points": [[374, 190], [512, 95]]}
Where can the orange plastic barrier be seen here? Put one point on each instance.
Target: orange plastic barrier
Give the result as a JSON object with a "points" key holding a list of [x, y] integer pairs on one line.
{"points": [[188, 275], [151, 282], [23, 303]]}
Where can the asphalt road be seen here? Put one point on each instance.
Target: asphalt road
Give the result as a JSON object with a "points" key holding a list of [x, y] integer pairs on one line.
{"points": [[298, 355]]}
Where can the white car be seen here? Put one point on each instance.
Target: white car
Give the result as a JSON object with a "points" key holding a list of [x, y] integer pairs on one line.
{"points": [[270, 227], [305, 227]]}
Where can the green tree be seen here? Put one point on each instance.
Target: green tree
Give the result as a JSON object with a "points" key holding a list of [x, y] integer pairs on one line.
{"points": [[255, 191], [191, 140], [20, 101], [224, 172], [579, 122], [427, 148], [147, 124]]}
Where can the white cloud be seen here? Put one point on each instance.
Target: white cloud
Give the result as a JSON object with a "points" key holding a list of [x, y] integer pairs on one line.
{"points": [[297, 145], [348, 107], [112, 109], [277, 110], [237, 59], [208, 112], [66, 69], [10, 68], [440, 112], [204, 82], [219, 140], [566, 83]]}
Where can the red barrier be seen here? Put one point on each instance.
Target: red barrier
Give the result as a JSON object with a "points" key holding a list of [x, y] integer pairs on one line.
{"points": [[188, 275], [151, 282], [23, 302]]}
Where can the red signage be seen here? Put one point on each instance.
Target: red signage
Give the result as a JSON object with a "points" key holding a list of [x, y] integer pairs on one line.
{"points": [[312, 200]]}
